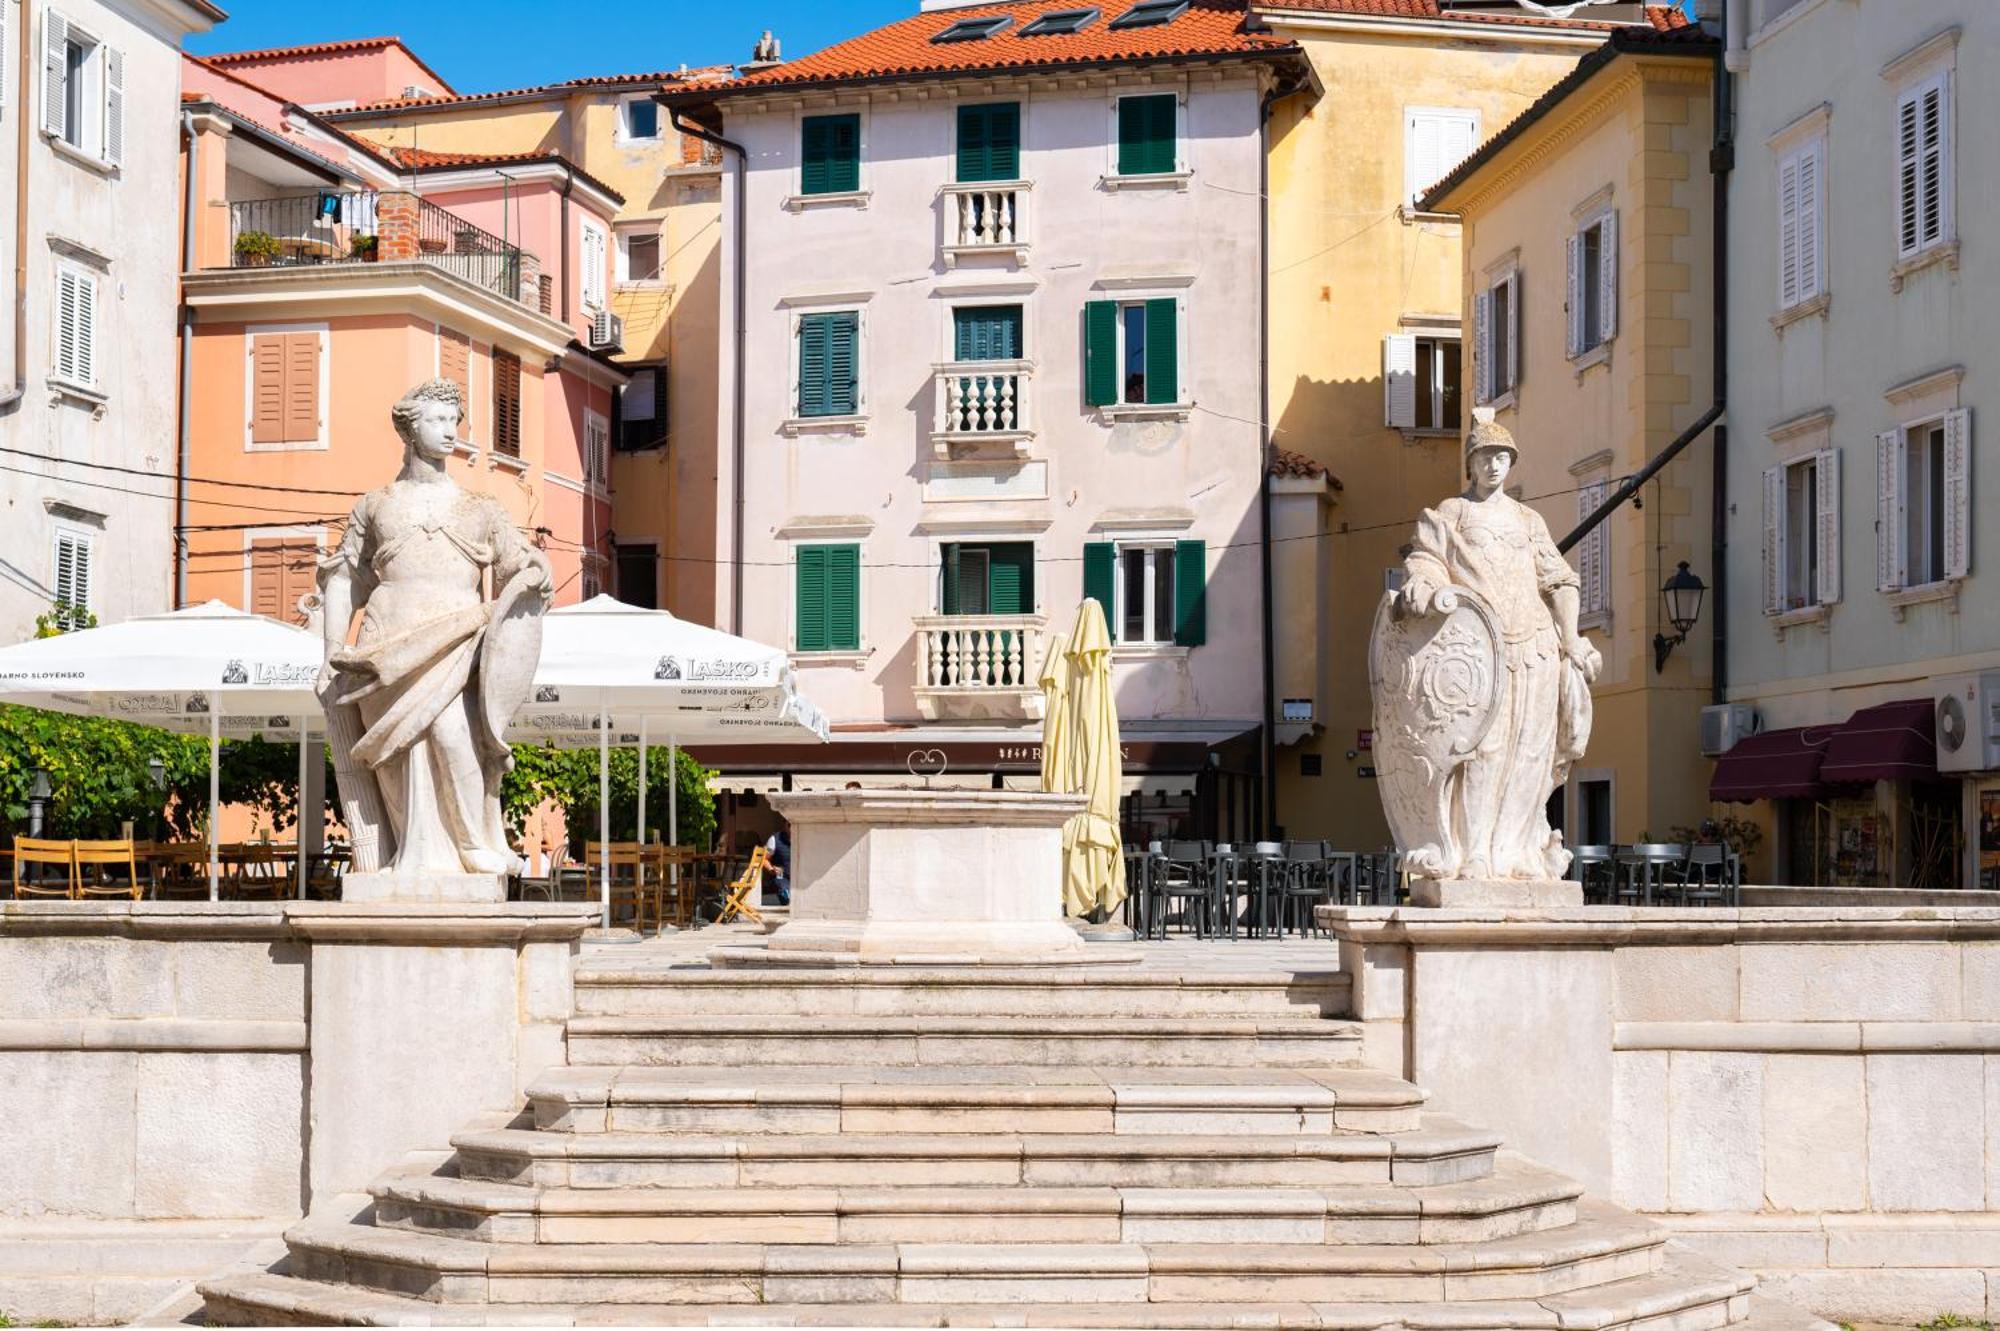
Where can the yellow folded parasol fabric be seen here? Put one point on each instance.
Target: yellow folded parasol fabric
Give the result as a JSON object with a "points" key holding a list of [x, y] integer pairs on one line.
{"points": [[1058, 766], [1093, 856]]}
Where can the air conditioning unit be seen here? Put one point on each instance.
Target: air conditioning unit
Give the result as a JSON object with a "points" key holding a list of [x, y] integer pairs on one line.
{"points": [[607, 332], [1968, 722], [1724, 725]]}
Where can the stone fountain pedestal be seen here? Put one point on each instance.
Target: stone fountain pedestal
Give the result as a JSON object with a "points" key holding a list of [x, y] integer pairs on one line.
{"points": [[1511, 893], [924, 877]]}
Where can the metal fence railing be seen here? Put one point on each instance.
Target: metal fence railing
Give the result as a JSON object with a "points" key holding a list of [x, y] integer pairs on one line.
{"points": [[347, 226]]}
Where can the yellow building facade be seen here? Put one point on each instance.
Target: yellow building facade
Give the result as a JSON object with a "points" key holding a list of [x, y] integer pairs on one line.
{"points": [[666, 293], [1587, 281], [1364, 301]]}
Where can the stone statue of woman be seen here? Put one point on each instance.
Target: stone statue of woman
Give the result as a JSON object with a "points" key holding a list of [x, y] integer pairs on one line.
{"points": [[417, 707], [1482, 693]]}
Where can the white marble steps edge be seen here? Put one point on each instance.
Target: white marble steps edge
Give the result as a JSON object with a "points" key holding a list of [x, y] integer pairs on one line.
{"points": [[1604, 1245], [1520, 1198], [945, 1099]]}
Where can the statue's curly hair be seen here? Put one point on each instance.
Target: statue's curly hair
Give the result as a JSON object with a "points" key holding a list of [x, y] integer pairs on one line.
{"points": [[411, 405]]}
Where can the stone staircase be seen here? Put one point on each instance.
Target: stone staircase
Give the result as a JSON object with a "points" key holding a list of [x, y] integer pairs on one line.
{"points": [[1104, 1147]]}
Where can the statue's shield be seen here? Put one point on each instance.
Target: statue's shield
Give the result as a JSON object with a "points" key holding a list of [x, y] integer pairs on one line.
{"points": [[509, 656], [1435, 680]]}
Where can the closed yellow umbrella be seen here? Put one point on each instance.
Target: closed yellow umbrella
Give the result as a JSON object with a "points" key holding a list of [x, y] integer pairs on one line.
{"points": [[1058, 759], [1093, 856]]}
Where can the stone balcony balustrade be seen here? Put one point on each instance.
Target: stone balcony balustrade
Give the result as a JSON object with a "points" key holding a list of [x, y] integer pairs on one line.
{"points": [[978, 666], [989, 217], [983, 402]]}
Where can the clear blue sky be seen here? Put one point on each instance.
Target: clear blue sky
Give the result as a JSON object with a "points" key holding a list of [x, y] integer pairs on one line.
{"points": [[517, 43]]}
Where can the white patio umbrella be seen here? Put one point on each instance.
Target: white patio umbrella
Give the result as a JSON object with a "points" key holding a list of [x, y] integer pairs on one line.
{"points": [[210, 669], [611, 671]]}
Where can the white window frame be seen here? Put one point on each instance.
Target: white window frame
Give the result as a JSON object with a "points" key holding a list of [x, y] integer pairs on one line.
{"points": [[948, 330], [1825, 537], [101, 103], [856, 423], [1486, 386], [1941, 80], [940, 541], [1148, 544], [1954, 504], [593, 292], [1583, 285], [595, 452], [1400, 388], [1413, 189], [1183, 380], [93, 281], [625, 134], [322, 441], [622, 258], [861, 649], [1183, 171], [799, 200], [86, 540]]}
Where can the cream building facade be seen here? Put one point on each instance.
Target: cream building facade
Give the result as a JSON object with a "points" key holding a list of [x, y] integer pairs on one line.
{"points": [[89, 136], [1861, 345], [1587, 250], [1365, 328]]}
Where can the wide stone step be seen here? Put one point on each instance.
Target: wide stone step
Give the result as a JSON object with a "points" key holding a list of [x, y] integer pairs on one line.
{"points": [[1440, 1152], [1602, 1247], [876, 1041], [1518, 1199], [1096, 992], [974, 1099]]}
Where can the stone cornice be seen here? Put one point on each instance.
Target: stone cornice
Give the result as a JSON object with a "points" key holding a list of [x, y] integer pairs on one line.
{"points": [[1619, 926], [422, 923]]}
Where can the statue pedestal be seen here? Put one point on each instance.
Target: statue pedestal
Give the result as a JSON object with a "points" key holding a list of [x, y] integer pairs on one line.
{"points": [[917, 877], [1467, 893], [453, 887]]}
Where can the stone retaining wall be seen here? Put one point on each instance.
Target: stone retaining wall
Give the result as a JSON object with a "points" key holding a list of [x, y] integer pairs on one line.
{"points": [[1813, 1094], [184, 1079]]}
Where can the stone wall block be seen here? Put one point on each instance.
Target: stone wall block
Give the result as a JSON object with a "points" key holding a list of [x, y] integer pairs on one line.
{"points": [[1676, 984], [1380, 978], [254, 981], [1815, 1133], [85, 977], [1639, 1142], [70, 1133], [1981, 981], [1900, 1298], [1872, 982], [218, 1136], [1926, 1132], [546, 994], [1715, 1115]]}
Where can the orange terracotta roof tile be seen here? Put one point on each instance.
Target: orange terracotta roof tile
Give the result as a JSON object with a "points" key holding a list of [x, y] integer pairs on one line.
{"points": [[661, 78], [315, 48], [424, 159], [905, 49], [1661, 17], [1285, 462]]}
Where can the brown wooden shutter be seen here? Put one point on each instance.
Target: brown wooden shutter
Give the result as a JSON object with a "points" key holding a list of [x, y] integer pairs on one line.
{"points": [[455, 361], [301, 388], [267, 388], [281, 571], [506, 403]]}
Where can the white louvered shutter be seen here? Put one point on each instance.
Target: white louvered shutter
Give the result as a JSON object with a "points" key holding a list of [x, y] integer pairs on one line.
{"points": [[72, 570], [6, 53], [1889, 510], [55, 73], [1482, 345], [1811, 171], [1826, 472], [1957, 493], [1923, 167], [1774, 540], [1399, 381], [76, 327], [114, 105], [1607, 276], [1573, 286], [1592, 563], [1425, 164], [593, 267], [1788, 232], [1514, 330]]}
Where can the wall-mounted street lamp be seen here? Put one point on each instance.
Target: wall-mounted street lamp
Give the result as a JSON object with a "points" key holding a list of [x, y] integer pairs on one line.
{"points": [[1682, 595]]}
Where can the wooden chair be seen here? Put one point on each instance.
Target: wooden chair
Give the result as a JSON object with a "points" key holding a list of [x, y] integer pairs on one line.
{"points": [[182, 870], [737, 901], [628, 877], [673, 870], [108, 857], [253, 870], [41, 850]]}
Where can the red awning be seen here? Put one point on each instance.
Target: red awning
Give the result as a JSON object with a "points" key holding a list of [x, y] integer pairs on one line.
{"points": [[1891, 742], [1778, 764]]}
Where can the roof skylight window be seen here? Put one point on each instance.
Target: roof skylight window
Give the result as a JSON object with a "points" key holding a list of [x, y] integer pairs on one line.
{"points": [[974, 29], [1151, 14], [1060, 21]]}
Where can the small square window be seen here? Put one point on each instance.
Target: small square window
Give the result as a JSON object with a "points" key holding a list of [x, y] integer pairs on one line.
{"points": [[974, 29], [1060, 22], [641, 257], [1150, 14], [642, 119]]}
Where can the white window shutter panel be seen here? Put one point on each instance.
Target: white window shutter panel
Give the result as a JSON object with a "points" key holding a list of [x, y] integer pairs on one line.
{"points": [[1811, 215], [1788, 232], [1826, 471], [1482, 346], [82, 596], [1607, 268], [114, 105], [1514, 332], [1889, 510], [55, 73], [86, 330], [6, 53], [1573, 287], [1422, 162], [1399, 381], [1945, 186], [1774, 540], [1957, 493]]}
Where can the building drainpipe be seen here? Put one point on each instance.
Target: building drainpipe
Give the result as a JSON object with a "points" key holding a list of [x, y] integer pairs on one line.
{"points": [[183, 440], [1721, 161], [739, 297], [562, 245], [16, 391]]}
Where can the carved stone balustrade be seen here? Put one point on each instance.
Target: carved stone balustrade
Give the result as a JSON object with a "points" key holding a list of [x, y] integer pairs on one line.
{"points": [[978, 667]]}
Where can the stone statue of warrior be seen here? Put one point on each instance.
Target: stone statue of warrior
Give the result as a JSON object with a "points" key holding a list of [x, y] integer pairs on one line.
{"points": [[451, 598], [1482, 690]]}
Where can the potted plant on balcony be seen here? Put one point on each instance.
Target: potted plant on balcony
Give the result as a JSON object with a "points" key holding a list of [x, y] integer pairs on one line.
{"points": [[431, 244], [364, 248], [255, 248]]}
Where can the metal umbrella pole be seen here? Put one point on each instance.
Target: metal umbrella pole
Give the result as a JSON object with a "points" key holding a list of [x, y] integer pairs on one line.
{"points": [[604, 812], [299, 824], [214, 796]]}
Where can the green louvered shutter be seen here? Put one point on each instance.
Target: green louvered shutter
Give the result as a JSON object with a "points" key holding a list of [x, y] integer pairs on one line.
{"points": [[830, 151], [813, 340], [1147, 134], [989, 142], [843, 364], [1010, 579], [843, 598], [948, 598], [1163, 351], [1100, 353], [1100, 564], [810, 576], [1190, 593]]}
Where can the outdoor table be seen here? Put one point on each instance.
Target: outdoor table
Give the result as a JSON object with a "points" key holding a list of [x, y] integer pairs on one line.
{"points": [[1640, 869]]}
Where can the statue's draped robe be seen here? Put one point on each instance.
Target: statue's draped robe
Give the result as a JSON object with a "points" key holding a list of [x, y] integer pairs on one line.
{"points": [[1501, 550], [410, 693]]}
